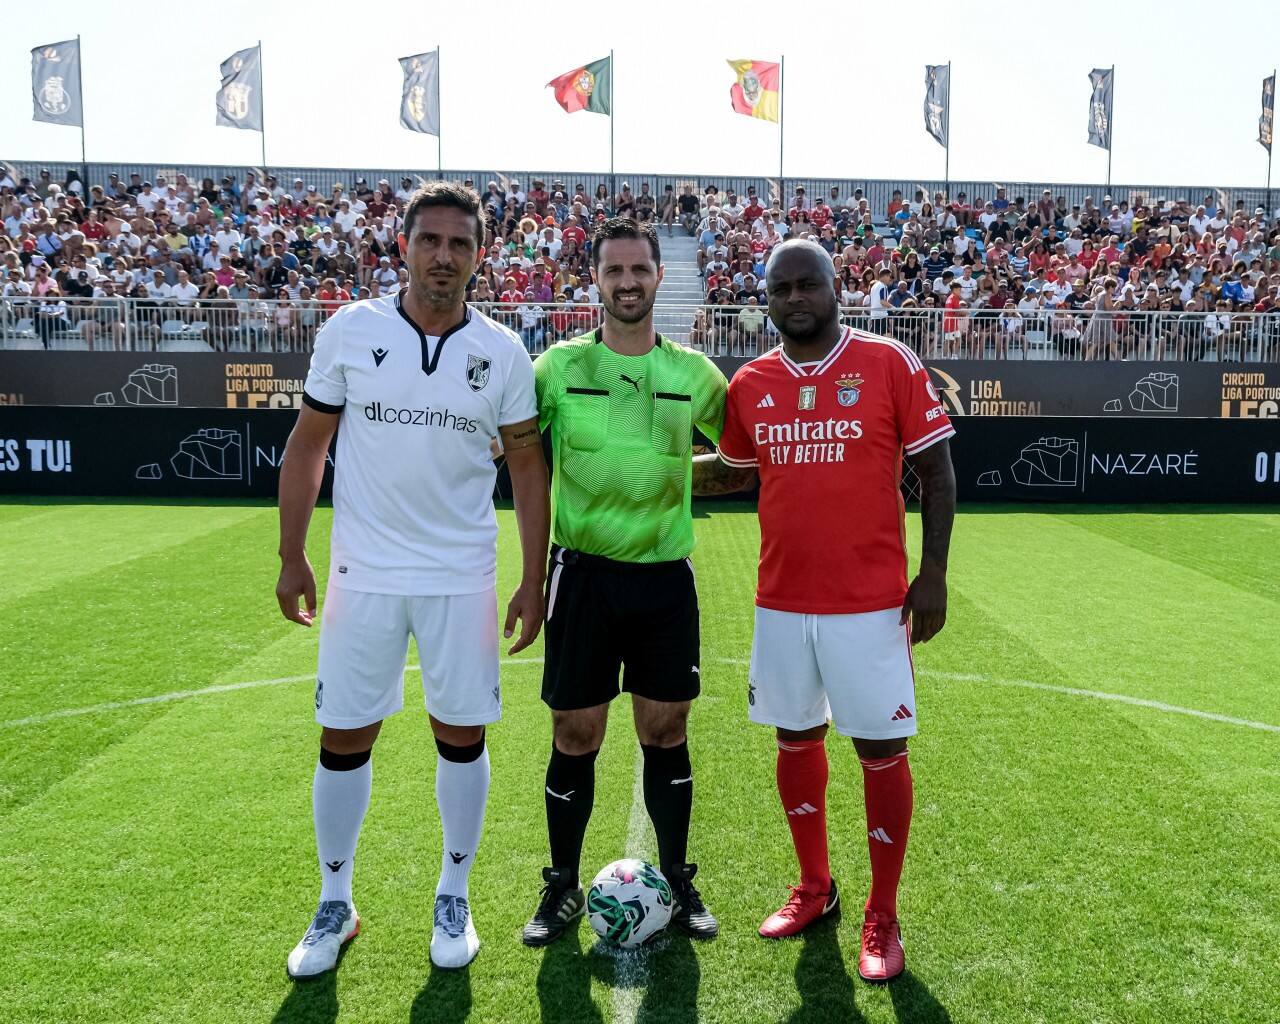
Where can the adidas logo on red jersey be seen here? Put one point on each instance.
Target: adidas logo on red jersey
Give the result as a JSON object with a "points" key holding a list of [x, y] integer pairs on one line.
{"points": [[903, 712], [765, 403]]}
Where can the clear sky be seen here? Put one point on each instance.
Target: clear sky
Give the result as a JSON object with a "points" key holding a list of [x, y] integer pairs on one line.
{"points": [[1188, 86]]}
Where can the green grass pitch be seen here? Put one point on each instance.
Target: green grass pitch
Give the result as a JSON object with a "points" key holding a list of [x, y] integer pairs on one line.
{"points": [[1072, 858]]}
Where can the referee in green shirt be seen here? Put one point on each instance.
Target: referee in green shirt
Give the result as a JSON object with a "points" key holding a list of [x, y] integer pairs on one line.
{"points": [[621, 404]]}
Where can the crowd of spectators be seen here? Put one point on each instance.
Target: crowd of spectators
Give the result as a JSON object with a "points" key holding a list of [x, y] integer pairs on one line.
{"points": [[260, 263], [958, 278]]}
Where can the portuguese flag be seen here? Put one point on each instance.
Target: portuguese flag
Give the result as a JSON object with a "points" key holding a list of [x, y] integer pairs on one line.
{"points": [[586, 88], [755, 93]]}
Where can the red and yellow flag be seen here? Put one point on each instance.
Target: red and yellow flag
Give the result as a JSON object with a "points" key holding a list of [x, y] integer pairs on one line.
{"points": [[755, 93]]}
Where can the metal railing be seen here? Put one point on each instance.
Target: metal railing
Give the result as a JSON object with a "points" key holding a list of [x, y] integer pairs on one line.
{"points": [[251, 325], [877, 191]]}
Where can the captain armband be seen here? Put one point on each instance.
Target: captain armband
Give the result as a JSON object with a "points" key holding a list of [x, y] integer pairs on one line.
{"points": [[521, 438]]}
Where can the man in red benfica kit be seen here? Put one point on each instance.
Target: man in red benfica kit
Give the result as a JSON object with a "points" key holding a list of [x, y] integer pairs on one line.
{"points": [[824, 420]]}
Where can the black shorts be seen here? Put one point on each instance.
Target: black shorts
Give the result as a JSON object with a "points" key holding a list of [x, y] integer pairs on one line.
{"points": [[603, 616]]}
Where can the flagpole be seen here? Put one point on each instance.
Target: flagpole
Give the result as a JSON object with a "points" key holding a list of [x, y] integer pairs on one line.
{"points": [[1111, 125], [613, 181], [947, 147], [80, 55], [439, 136], [1269, 146], [262, 104], [782, 107]]}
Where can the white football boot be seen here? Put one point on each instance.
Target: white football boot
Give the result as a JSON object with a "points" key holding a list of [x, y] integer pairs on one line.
{"points": [[454, 942], [335, 922]]}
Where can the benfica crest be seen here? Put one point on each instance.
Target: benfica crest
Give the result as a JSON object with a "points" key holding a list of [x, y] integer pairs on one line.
{"points": [[847, 390]]}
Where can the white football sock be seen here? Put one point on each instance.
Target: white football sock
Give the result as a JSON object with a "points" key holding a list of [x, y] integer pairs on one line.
{"points": [[461, 792], [339, 800]]}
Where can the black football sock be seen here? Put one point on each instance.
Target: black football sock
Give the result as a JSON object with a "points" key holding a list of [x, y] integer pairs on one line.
{"points": [[668, 796], [570, 792]]}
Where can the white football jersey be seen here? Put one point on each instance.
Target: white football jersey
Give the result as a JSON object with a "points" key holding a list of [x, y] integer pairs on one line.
{"points": [[414, 475]]}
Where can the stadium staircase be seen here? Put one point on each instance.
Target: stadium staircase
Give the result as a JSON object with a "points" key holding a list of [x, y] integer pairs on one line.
{"points": [[682, 284]]}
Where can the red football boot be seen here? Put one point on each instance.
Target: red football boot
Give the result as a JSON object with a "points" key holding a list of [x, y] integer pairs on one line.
{"points": [[882, 957], [800, 911]]}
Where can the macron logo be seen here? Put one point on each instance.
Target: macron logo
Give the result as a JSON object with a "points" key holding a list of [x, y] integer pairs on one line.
{"points": [[881, 835], [765, 403], [902, 713], [803, 809], [379, 354]]}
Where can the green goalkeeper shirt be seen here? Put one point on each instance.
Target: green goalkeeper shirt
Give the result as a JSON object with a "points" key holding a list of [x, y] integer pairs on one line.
{"points": [[621, 432]]}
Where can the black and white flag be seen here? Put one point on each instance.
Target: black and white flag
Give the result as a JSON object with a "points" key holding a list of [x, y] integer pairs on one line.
{"points": [[240, 95], [937, 101], [1268, 119], [55, 83], [420, 97], [1100, 107]]}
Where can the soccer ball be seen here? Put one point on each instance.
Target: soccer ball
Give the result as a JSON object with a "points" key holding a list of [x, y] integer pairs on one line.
{"points": [[629, 903]]}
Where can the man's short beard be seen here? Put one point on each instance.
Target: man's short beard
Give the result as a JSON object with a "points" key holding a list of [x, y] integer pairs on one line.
{"points": [[437, 298], [641, 311]]}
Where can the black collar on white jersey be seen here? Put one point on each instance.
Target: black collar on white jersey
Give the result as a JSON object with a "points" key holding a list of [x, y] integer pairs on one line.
{"points": [[429, 360]]}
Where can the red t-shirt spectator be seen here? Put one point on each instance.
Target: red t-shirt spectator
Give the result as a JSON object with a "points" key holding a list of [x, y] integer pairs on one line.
{"points": [[520, 277], [821, 215], [576, 233], [752, 212], [1038, 261], [951, 318], [331, 300], [94, 230]]}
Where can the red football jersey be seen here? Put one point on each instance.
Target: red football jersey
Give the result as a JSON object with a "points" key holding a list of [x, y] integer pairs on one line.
{"points": [[828, 441]]}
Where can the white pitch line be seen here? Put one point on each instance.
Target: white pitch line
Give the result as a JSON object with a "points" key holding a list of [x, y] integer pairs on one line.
{"points": [[962, 677], [1119, 698], [164, 698], [632, 966]]}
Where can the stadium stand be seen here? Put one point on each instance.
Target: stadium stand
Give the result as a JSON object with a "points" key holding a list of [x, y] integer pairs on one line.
{"points": [[248, 262]]}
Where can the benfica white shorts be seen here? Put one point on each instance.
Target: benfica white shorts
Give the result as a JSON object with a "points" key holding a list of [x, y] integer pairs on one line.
{"points": [[853, 669], [363, 642]]}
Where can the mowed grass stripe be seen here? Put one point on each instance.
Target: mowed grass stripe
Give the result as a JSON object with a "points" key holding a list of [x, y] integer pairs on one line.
{"points": [[1057, 821], [1070, 859], [63, 544], [1231, 549], [1102, 611], [236, 857], [196, 613]]}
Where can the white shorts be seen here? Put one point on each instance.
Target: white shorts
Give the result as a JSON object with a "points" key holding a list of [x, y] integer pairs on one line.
{"points": [[854, 669], [363, 642]]}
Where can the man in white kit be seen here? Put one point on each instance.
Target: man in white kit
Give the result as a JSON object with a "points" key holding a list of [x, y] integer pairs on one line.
{"points": [[419, 383]]}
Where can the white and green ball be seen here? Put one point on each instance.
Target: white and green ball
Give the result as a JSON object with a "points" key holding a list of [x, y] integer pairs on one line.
{"points": [[629, 903]]}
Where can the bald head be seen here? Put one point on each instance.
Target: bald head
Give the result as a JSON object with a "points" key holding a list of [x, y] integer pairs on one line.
{"points": [[802, 295], [800, 254]]}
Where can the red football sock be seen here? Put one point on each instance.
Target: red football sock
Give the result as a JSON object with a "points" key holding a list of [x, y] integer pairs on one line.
{"points": [[802, 784], [887, 785]]}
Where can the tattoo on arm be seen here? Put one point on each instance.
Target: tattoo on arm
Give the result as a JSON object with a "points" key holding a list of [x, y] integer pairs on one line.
{"points": [[937, 502], [712, 476]]}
